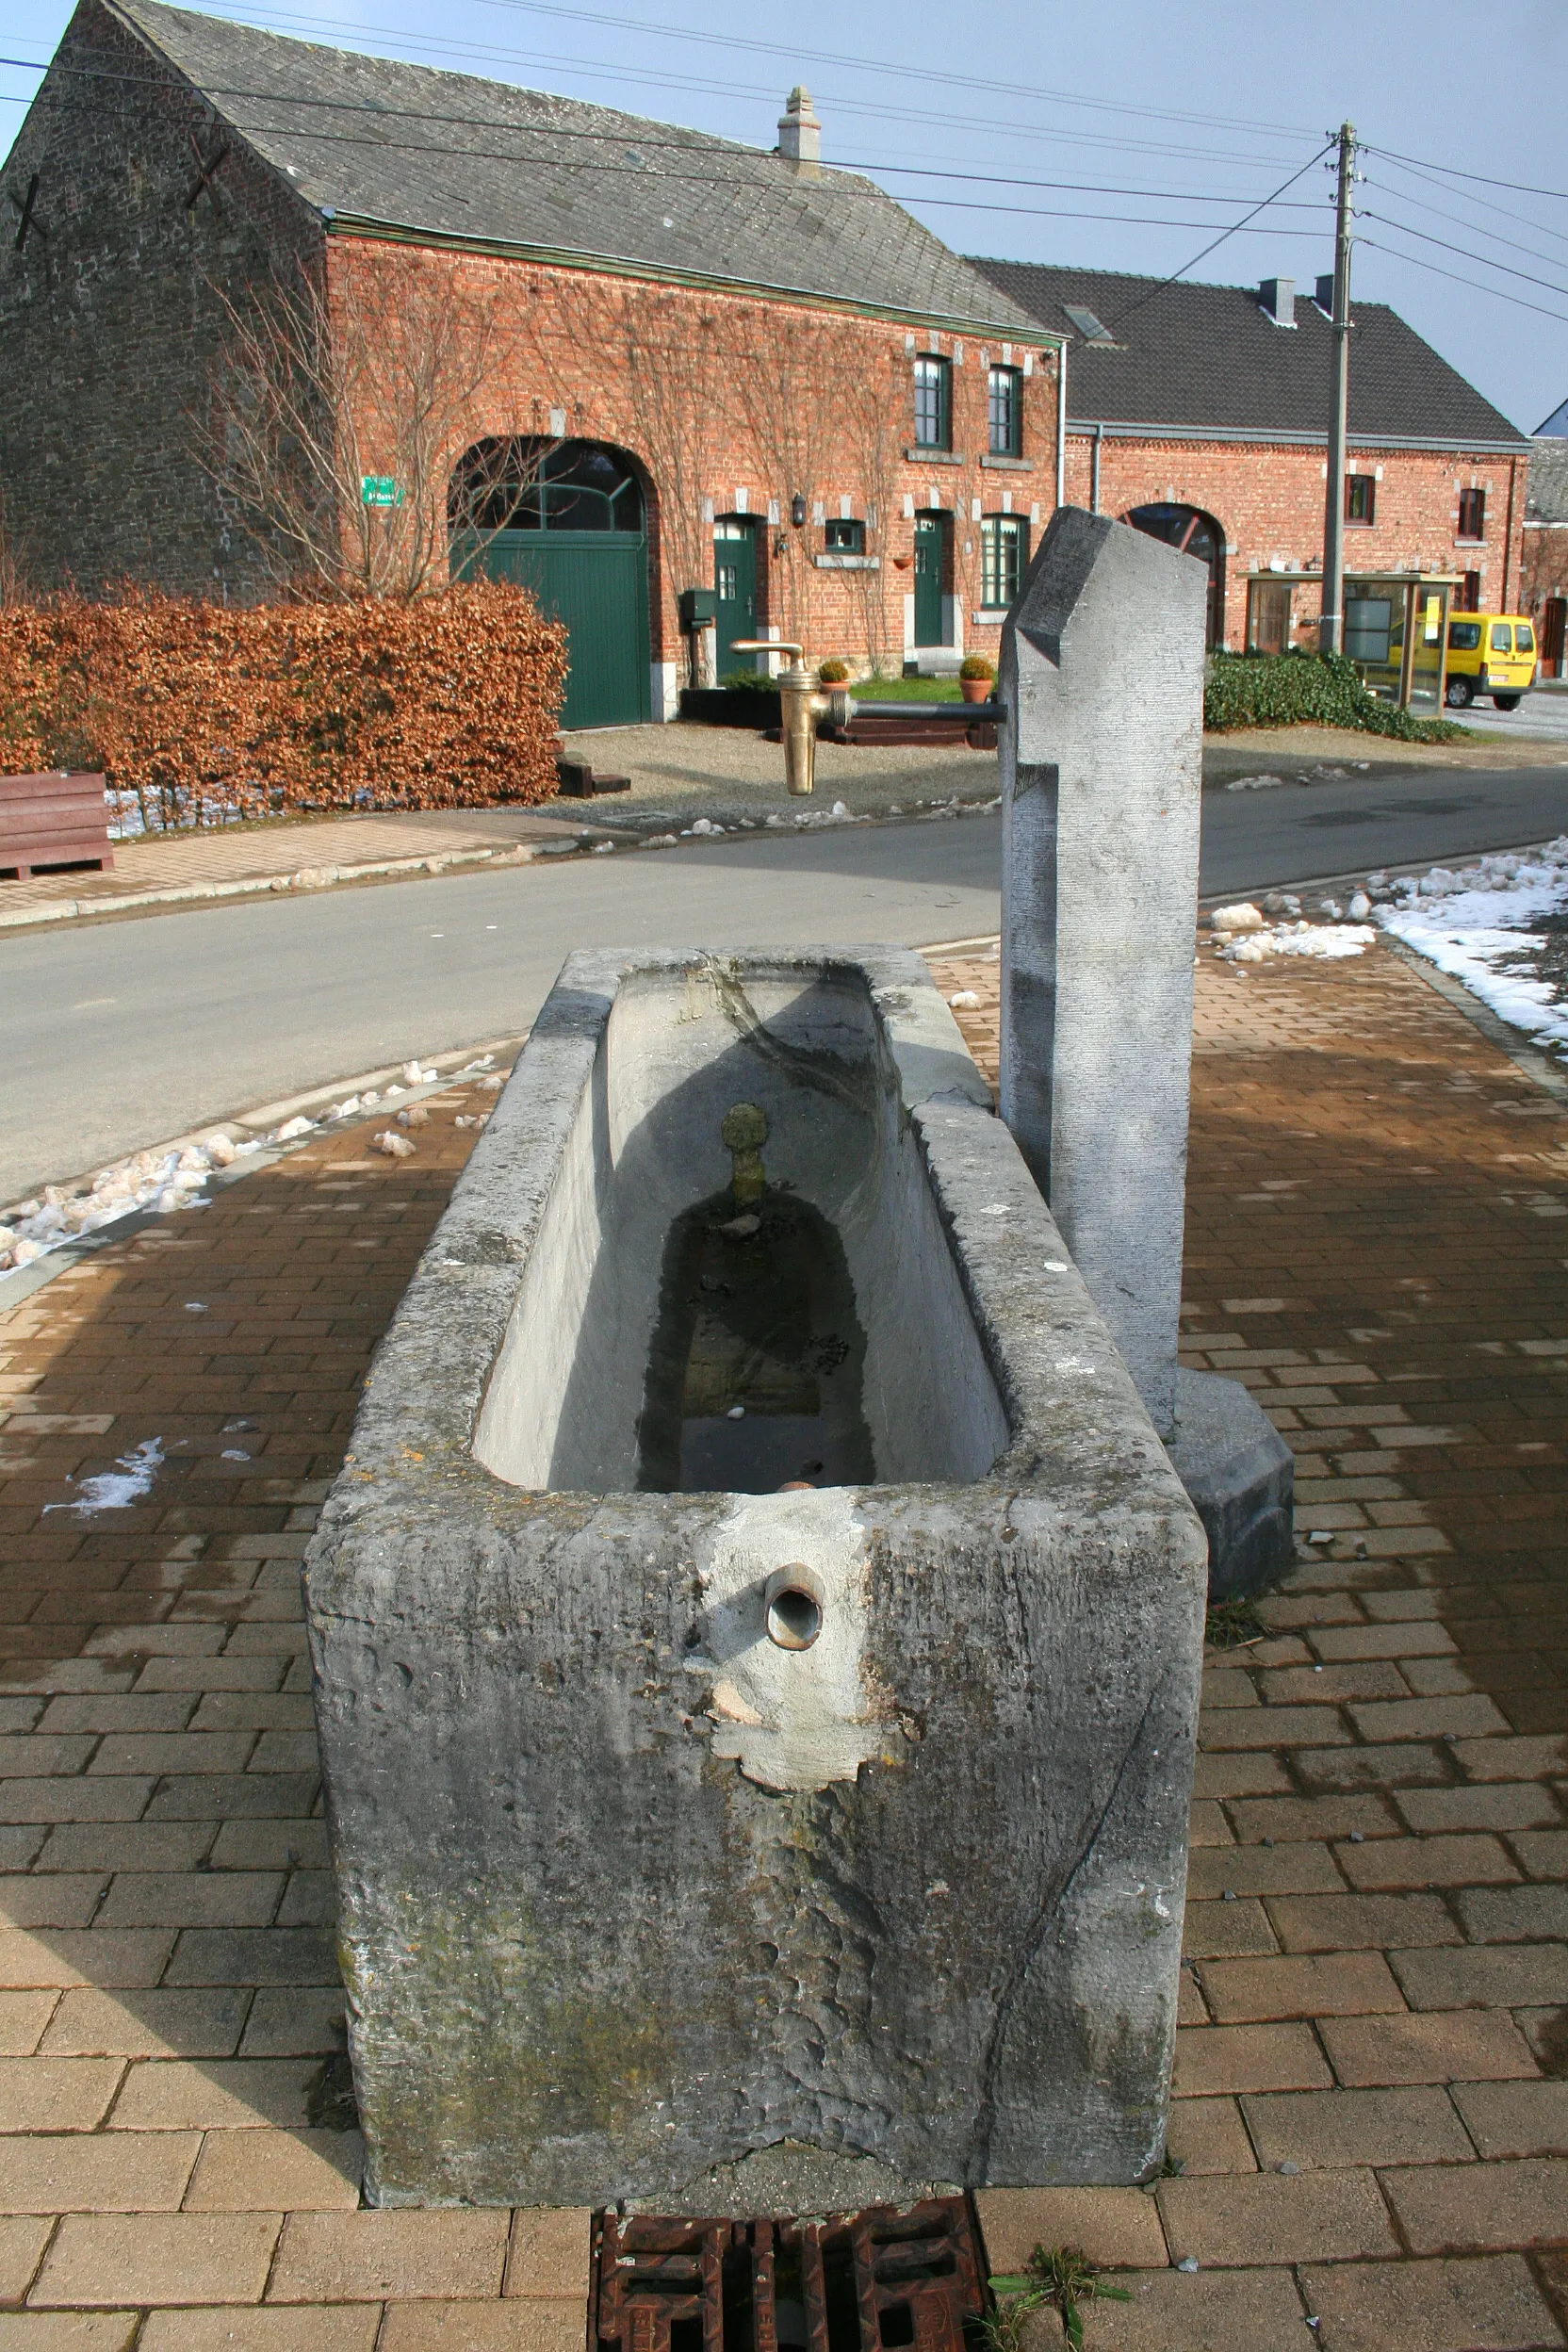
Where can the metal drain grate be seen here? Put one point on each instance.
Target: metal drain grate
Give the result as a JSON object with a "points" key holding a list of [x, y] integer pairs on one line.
{"points": [[856, 2282]]}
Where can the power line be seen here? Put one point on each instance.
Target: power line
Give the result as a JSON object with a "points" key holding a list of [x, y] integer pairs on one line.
{"points": [[943, 76], [1403, 196], [1464, 254], [1234, 231], [1484, 204], [743, 156], [1436, 270], [1482, 179], [267, 19]]}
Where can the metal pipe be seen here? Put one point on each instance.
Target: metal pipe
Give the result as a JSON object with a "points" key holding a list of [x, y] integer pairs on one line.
{"points": [[1061, 424], [1330, 635], [1094, 469], [799, 708]]}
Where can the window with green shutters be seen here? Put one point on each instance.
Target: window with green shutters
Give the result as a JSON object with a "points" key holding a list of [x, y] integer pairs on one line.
{"points": [[1005, 410], [933, 404], [1003, 551]]}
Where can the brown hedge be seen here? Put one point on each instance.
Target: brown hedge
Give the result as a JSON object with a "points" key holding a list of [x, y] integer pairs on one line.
{"points": [[450, 701]]}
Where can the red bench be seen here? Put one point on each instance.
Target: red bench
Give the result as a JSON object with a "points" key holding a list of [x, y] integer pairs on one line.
{"points": [[47, 821]]}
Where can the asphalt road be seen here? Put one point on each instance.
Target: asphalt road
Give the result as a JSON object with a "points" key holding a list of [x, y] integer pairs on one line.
{"points": [[121, 1032]]}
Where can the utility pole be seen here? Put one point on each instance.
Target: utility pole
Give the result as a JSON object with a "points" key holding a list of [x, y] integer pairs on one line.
{"points": [[1332, 632]]}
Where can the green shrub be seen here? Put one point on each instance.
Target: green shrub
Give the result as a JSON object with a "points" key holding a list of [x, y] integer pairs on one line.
{"points": [[833, 673], [976, 666], [1302, 689], [748, 682]]}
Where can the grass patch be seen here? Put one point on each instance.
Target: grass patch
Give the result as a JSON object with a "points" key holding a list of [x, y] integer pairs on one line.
{"points": [[1059, 2278], [1232, 1624], [908, 690]]}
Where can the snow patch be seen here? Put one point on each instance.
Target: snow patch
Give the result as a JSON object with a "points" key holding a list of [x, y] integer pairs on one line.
{"points": [[1475, 923], [118, 1488]]}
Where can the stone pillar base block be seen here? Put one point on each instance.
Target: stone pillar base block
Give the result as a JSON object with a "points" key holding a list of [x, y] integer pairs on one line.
{"points": [[1239, 1474]]}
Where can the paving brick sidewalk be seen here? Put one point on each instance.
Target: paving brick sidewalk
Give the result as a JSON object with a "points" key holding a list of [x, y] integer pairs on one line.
{"points": [[1372, 2108]]}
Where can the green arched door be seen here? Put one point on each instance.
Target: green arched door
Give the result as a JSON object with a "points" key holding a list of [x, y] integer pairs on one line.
{"points": [[573, 533]]}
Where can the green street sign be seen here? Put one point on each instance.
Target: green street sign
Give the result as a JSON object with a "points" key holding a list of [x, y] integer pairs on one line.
{"points": [[379, 490]]}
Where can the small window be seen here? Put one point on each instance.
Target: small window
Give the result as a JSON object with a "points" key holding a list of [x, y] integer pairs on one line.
{"points": [[1006, 412], [1470, 595], [1464, 636], [1502, 637], [1361, 497], [933, 404], [1524, 637], [843, 537], [1003, 548], [1472, 514]]}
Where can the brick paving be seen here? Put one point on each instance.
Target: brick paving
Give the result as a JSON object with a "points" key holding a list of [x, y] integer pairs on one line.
{"points": [[1371, 2119]]}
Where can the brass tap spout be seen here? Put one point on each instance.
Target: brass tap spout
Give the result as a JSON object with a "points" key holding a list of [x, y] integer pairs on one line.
{"points": [[800, 707]]}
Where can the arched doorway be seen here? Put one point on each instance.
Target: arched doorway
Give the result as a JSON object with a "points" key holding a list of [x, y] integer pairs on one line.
{"points": [[566, 520], [1192, 533]]}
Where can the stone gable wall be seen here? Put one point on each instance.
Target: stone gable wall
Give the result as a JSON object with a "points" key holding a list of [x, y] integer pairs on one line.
{"points": [[110, 319]]}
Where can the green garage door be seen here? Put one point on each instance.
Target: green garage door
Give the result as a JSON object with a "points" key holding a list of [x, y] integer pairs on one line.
{"points": [[596, 582]]}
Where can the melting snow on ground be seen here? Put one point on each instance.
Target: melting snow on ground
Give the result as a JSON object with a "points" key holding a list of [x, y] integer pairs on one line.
{"points": [[1500, 926], [174, 1179], [118, 1488]]}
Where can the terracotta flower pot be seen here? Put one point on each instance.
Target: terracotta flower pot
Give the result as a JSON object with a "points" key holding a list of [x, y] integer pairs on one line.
{"points": [[976, 688]]}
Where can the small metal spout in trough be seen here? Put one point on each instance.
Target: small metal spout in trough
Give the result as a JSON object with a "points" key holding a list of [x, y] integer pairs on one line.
{"points": [[781, 1820]]}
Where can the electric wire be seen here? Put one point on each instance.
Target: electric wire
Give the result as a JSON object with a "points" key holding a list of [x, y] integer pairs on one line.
{"points": [[699, 146], [1234, 231], [1403, 196], [942, 75], [1435, 270], [1482, 203], [1482, 260], [743, 156], [1452, 172]]}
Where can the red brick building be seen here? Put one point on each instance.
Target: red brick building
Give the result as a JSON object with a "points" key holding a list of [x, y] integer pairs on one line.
{"points": [[1544, 591], [1201, 412], [668, 362]]}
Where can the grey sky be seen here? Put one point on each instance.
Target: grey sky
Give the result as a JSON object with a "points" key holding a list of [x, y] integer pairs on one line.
{"points": [[1167, 122]]}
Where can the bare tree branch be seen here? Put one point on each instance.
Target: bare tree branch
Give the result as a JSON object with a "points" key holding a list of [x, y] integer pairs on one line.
{"points": [[320, 392]]}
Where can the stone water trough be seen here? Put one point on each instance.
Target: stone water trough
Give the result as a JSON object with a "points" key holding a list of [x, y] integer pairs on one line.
{"points": [[755, 1633]]}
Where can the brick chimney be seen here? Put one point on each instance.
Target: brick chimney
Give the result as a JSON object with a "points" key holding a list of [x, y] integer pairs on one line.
{"points": [[800, 135]]}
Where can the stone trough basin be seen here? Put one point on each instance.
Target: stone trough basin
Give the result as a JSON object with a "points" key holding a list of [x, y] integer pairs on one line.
{"points": [[756, 1633]]}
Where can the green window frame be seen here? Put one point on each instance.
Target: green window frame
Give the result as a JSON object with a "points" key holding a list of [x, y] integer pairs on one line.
{"points": [[1361, 498], [1004, 411], [844, 536], [933, 404], [1004, 554]]}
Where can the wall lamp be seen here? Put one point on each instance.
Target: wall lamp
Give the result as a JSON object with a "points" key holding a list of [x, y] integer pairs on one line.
{"points": [[798, 511]]}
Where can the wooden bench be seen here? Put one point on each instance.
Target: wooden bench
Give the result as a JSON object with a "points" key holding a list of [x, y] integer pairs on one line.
{"points": [[48, 822]]}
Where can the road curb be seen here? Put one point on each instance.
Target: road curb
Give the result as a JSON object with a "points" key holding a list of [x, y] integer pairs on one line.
{"points": [[20, 1283]]}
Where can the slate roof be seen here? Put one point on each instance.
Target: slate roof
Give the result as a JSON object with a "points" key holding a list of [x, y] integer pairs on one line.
{"points": [[1209, 355], [375, 140], [1556, 423], [1547, 489]]}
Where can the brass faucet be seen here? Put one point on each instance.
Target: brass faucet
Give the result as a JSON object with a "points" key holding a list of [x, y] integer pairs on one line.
{"points": [[800, 708]]}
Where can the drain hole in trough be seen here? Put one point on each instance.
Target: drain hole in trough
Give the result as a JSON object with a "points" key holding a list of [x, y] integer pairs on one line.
{"points": [[794, 1618], [898, 2325]]}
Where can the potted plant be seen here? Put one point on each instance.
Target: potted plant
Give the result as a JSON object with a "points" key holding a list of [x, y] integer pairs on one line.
{"points": [[976, 676], [834, 673]]}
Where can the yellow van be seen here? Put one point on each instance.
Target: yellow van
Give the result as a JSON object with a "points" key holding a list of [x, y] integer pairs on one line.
{"points": [[1490, 653]]}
